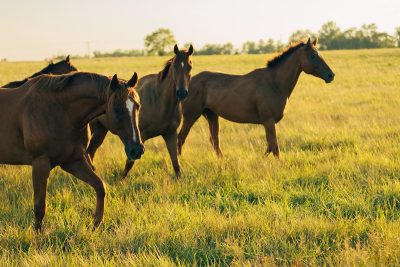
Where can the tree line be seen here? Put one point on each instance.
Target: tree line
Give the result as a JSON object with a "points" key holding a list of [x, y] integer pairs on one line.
{"points": [[330, 37]]}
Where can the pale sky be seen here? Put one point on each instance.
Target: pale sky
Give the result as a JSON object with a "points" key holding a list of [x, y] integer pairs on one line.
{"points": [[38, 29]]}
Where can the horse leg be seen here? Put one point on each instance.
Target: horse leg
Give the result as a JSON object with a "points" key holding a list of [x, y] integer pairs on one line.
{"points": [[128, 167], [213, 124], [272, 142], [99, 133], [41, 168], [89, 160], [81, 170], [183, 133], [171, 142], [85, 142]]}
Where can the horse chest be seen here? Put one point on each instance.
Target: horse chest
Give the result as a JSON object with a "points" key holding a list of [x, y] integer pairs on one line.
{"points": [[160, 123], [271, 106]]}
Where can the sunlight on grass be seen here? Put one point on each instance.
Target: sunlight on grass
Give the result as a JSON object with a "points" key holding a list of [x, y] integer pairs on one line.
{"points": [[333, 197]]}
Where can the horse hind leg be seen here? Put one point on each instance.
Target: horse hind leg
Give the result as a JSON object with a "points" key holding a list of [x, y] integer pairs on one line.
{"points": [[213, 125], [171, 142]]}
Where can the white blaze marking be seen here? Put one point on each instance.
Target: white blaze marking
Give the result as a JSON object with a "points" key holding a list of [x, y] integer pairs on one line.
{"points": [[182, 64], [130, 105]]}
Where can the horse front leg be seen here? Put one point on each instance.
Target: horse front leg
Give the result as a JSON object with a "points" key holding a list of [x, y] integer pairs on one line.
{"points": [[41, 168], [171, 142], [99, 132], [272, 141], [128, 167], [82, 170]]}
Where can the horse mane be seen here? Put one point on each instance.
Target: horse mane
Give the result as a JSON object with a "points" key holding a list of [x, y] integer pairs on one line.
{"points": [[59, 83], [284, 55], [134, 96], [163, 74]]}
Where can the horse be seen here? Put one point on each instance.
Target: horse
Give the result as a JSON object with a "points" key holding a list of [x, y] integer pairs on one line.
{"points": [[160, 114], [258, 97], [43, 123], [62, 67]]}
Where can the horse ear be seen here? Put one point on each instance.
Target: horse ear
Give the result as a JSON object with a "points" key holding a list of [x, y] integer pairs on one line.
{"points": [[315, 42], [114, 84], [133, 81], [309, 41], [176, 49], [190, 50], [67, 59], [51, 62]]}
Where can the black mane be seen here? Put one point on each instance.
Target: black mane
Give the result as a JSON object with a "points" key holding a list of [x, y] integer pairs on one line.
{"points": [[163, 74], [284, 55]]}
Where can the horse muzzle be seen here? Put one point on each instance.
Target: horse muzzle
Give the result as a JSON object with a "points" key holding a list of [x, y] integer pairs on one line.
{"points": [[134, 151], [329, 77], [181, 94]]}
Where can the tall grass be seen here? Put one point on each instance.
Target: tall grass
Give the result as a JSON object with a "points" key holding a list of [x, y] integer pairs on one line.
{"points": [[332, 199]]}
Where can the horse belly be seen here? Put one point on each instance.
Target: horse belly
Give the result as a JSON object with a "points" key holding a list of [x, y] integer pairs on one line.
{"points": [[236, 109], [13, 151]]}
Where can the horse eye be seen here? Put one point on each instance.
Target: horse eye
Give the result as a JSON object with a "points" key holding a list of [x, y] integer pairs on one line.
{"points": [[313, 56]]}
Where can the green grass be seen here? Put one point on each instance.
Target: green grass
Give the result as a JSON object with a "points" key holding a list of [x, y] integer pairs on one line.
{"points": [[332, 199]]}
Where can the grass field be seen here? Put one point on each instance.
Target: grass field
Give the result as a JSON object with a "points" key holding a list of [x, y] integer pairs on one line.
{"points": [[332, 199]]}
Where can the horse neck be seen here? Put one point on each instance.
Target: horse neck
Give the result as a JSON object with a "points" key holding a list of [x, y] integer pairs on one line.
{"points": [[43, 71], [287, 73], [168, 91], [85, 104]]}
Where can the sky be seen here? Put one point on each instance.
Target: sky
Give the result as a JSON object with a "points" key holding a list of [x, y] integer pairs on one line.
{"points": [[35, 30]]}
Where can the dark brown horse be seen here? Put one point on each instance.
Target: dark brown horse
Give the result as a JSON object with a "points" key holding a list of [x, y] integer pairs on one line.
{"points": [[43, 123], [62, 67], [160, 113], [258, 97]]}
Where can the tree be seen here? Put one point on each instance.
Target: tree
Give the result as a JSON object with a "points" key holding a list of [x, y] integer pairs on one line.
{"points": [[301, 35], [159, 42], [267, 47], [329, 36], [216, 49], [227, 49], [250, 48], [397, 36]]}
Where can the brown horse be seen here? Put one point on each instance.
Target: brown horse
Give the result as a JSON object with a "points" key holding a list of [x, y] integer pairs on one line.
{"points": [[258, 97], [43, 123], [160, 113], [62, 67]]}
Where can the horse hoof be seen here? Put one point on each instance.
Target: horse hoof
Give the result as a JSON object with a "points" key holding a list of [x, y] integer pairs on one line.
{"points": [[178, 174], [38, 228], [96, 223]]}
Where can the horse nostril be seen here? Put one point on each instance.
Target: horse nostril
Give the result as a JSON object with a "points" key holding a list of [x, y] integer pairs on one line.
{"points": [[181, 94], [141, 148]]}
